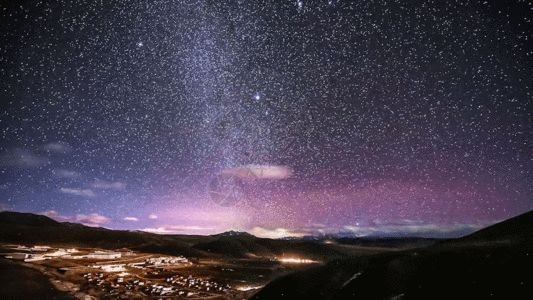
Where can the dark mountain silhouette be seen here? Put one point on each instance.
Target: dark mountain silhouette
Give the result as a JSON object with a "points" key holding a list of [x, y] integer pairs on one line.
{"points": [[519, 227], [30, 229], [26, 219], [234, 233], [493, 263], [26, 228]]}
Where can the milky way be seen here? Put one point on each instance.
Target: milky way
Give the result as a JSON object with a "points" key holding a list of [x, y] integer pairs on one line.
{"points": [[362, 117]]}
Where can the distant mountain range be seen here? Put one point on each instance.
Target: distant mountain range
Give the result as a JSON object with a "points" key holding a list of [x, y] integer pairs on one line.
{"points": [[31, 229], [234, 233], [492, 263], [369, 241], [27, 228]]}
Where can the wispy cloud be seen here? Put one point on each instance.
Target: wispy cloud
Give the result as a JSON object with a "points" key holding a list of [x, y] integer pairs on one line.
{"points": [[277, 232], [23, 158], [192, 228], [172, 229], [159, 230], [413, 228], [93, 219], [374, 228], [259, 172], [116, 185], [153, 217], [360, 230], [67, 174], [78, 192], [131, 219], [303, 230], [58, 147]]}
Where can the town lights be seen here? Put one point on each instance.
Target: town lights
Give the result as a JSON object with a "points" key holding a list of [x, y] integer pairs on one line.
{"points": [[296, 260]]}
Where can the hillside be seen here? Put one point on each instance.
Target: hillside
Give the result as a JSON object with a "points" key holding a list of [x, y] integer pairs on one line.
{"points": [[25, 228], [26, 219], [478, 266], [519, 227]]}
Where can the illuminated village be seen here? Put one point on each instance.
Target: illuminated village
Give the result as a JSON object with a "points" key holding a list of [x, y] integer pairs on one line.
{"points": [[126, 274]]}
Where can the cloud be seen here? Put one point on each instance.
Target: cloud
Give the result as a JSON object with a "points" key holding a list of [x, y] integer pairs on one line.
{"points": [[359, 230], [78, 192], [160, 230], [259, 172], [172, 229], [192, 228], [276, 233], [23, 158], [58, 147], [117, 185], [413, 228], [308, 229], [152, 216], [93, 220], [376, 228], [67, 174], [131, 219]]}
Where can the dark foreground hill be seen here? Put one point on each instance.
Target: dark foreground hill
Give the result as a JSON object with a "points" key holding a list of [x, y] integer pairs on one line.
{"points": [[517, 228], [493, 263], [19, 283]]}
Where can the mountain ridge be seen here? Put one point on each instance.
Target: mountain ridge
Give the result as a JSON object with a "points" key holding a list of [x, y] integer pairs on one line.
{"points": [[27, 228], [234, 233], [488, 264], [517, 227]]}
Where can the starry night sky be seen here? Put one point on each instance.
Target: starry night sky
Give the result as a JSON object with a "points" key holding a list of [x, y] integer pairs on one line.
{"points": [[362, 117]]}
